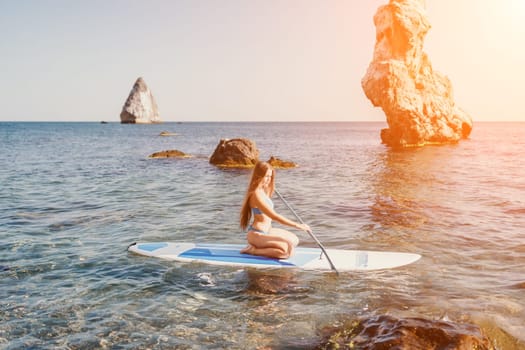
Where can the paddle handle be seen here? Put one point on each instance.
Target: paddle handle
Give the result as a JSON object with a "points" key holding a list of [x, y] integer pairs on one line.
{"points": [[332, 266]]}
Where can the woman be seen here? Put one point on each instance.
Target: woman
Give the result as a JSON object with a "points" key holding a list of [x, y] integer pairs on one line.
{"points": [[262, 238]]}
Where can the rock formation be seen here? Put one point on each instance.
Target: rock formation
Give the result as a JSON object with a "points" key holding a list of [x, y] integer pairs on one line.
{"points": [[388, 332], [417, 101], [169, 154], [140, 107], [235, 153], [167, 133], [281, 164]]}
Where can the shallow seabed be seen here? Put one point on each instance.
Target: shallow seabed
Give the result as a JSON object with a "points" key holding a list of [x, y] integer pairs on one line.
{"points": [[75, 195]]}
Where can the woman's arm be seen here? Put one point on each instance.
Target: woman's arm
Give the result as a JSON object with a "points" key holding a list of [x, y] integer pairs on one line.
{"points": [[261, 203]]}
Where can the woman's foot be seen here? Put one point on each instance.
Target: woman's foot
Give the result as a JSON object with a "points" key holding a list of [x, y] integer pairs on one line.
{"points": [[248, 249]]}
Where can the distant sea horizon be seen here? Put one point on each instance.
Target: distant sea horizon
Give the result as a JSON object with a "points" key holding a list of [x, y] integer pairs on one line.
{"points": [[234, 121]]}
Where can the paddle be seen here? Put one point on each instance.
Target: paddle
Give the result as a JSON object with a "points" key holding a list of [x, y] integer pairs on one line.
{"points": [[309, 231]]}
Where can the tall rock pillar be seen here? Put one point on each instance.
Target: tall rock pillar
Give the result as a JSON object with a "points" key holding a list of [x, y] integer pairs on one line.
{"points": [[418, 101]]}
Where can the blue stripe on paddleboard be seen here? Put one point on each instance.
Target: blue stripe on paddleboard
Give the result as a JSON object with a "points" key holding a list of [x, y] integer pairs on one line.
{"points": [[234, 256], [302, 250], [152, 246]]}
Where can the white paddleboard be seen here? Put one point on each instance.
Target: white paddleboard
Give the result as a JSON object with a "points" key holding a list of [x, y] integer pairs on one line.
{"points": [[303, 258]]}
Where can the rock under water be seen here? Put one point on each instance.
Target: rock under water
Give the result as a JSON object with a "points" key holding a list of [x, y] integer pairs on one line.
{"points": [[140, 106], [417, 101], [168, 133], [278, 163], [173, 153], [388, 332]]}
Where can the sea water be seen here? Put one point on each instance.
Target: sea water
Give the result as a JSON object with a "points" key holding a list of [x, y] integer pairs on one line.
{"points": [[73, 196]]}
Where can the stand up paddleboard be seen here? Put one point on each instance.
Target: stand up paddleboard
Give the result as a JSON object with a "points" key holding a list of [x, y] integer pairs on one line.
{"points": [[303, 258]]}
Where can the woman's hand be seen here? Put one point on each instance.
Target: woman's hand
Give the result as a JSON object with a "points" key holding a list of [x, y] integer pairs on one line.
{"points": [[304, 227]]}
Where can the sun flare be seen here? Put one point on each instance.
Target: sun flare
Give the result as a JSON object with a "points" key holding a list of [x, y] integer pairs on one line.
{"points": [[516, 12], [518, 6]]}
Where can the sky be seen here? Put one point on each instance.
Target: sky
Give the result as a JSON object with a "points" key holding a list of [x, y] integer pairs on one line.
{"points": [[243, 60]]}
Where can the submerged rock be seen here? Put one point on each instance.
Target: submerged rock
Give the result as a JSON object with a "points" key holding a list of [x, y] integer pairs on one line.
{"points": [[167, 133], [140, 106], [235, 153], [281, 164], [418, 101], [387, 332], [169, 154]]}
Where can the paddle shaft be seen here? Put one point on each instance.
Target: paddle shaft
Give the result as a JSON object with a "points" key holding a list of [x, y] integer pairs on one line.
{"points": [[309, 231]]}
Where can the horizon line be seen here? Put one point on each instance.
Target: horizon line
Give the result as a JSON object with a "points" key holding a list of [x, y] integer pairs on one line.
{"points": [[231, 121]]}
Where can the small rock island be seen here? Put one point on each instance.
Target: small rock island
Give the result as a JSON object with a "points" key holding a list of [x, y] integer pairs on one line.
{"points": [[235, 153], [140, 106]]}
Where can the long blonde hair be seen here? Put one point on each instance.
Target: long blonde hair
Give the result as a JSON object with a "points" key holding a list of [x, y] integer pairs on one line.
{"points": [[260, 170]]}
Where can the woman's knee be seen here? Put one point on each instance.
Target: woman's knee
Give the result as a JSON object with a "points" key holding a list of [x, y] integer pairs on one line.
{"points": [[295, 240]]}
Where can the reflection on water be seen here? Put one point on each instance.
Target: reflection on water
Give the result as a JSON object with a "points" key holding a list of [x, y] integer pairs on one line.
{"points": [[421, 202], [406, 185], [272, 282]]}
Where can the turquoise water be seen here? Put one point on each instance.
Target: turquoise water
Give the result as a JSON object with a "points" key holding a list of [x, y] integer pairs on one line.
{"points": [[75, 195]]}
